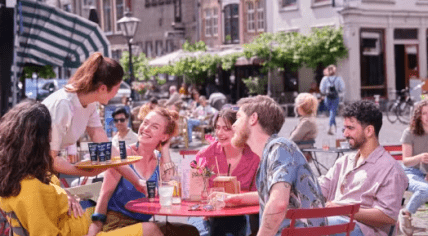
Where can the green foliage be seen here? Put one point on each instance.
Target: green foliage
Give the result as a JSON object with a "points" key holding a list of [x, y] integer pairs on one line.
{"points": [[324, 47], [196, 69], [228, 38], [292, 50], [140, 63], [256, 85], [43, 72], [198, 46], [228, 61]]}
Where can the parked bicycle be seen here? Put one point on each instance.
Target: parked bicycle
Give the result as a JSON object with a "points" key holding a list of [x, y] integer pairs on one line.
{"points": [[402, 107]]}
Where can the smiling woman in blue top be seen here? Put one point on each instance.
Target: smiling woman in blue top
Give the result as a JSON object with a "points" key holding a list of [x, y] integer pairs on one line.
{"points": [[155, 131]]}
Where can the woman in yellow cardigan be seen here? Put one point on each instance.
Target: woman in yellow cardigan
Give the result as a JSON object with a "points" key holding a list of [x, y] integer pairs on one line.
{"points": [[27, 194]]}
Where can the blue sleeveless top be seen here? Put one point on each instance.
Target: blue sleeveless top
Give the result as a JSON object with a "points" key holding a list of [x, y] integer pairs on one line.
{"points": [[126, 192]]}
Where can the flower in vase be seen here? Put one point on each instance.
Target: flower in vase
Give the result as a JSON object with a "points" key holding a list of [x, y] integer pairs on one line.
{"points": [[201, 165]]}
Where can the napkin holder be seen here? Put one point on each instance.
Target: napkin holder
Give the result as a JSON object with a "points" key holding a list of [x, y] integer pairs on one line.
{"points": [[229, 183]]}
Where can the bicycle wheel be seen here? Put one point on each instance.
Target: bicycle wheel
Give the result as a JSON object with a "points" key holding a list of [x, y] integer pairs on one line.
{"points": [[405, 112], [391, 113]]}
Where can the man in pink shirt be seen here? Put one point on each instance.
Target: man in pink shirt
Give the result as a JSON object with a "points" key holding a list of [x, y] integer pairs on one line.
{"points": [[370, 176]]}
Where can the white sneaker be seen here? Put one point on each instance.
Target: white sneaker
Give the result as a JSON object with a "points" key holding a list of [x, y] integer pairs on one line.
{"points": [[405, 222]]}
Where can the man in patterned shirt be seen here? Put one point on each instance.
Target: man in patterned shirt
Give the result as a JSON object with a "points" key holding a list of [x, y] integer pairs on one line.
{"points": [[284, 179]]}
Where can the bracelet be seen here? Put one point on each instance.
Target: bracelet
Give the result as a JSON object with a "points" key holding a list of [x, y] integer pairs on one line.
{"points": [[99, 217], [167, 166]]}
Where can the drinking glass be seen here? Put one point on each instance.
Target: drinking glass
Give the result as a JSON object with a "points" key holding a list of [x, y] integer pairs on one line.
{"points": [[216, 197], [176, 182], [165, 194], [325, 144]]}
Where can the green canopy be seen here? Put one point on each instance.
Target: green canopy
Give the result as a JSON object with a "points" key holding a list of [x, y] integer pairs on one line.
{"points": [[50, 36]]}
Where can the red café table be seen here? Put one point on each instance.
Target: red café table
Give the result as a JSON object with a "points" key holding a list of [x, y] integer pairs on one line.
{"points": [[144, 206]]}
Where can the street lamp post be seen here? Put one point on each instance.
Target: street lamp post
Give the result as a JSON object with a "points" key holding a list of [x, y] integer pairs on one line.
{"points": [[128, 25], [35, 76]]}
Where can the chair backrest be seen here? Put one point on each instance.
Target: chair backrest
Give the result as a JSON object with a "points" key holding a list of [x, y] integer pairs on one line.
{"points": [[188, 152], [294, 214], [396, 151]]}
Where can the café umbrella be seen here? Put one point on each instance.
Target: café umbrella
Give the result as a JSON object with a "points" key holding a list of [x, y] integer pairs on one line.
{"points": [[50, 36]]}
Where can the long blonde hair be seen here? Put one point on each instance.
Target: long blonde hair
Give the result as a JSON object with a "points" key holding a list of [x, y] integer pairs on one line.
{"points": [[307, 102]]}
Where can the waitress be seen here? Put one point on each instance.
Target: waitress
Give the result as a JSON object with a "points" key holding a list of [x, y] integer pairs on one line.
{"points": [[74, 110]]}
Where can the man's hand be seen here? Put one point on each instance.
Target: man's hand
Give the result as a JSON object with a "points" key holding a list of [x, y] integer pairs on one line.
{"points": [[74, 206]]}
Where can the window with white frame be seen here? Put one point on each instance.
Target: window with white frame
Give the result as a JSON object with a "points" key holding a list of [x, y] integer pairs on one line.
{"points": [[107, 14], [207, 22], [86, 7], [260, 16], [231, 24], [120, 11], [250, 16], [149, 49], [159, 48], [288, 3], [214, 21]]}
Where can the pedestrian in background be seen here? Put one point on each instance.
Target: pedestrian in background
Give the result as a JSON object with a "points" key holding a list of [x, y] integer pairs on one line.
{"points": [[331, 86]]}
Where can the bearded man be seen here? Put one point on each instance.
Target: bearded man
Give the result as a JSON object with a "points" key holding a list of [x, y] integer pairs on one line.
{"points": [[371, 176], [284, 179]]}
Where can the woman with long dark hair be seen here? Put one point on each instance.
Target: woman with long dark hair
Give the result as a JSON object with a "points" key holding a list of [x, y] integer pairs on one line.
{"points": [[26, 192], [415, 159], [241, 162]]}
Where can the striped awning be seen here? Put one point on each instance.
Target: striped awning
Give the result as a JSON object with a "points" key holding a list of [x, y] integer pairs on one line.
{"points": [[50, 36]]}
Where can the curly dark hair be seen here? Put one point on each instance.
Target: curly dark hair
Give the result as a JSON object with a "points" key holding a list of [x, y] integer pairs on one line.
{"points": [[366, 112], [24, 146], [416, 126]]}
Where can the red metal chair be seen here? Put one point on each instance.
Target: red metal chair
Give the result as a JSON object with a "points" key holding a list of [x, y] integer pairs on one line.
{"points": [[294, 214], [396, 151], [188, 152]]}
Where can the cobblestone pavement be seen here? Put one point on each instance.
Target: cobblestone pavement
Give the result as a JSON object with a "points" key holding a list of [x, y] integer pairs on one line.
{"points": [[389, 134]]}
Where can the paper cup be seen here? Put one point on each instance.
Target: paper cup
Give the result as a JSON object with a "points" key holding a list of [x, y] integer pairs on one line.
{"points": [[122, 149], [102, 152], [93, 150]]}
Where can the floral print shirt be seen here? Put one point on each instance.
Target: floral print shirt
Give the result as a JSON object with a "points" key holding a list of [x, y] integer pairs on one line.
{"points": [[282, 161]]}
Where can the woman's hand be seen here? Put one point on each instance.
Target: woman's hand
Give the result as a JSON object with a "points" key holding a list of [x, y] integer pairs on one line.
{"points": [[74, 206], [423, 157], [142, 186], [95, 228], [231, 200]]}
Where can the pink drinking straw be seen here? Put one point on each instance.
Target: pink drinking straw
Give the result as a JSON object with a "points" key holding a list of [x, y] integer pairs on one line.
{"points": [[218, 171]]}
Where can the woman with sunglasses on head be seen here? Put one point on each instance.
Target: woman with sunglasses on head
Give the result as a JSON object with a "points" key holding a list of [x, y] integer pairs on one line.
{"points": [[35, 205], [155, 132], [124, 133], [243, 164], [74, 109]]}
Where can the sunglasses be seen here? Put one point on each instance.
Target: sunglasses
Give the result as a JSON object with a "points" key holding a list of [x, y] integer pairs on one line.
{"points": [[121, 120]]}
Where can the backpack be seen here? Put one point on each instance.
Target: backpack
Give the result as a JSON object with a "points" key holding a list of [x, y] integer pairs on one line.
{"points": [[332, 92]]}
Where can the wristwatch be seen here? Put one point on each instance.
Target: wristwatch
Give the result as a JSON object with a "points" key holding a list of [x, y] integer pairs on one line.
{"points": [[99, 217]]}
